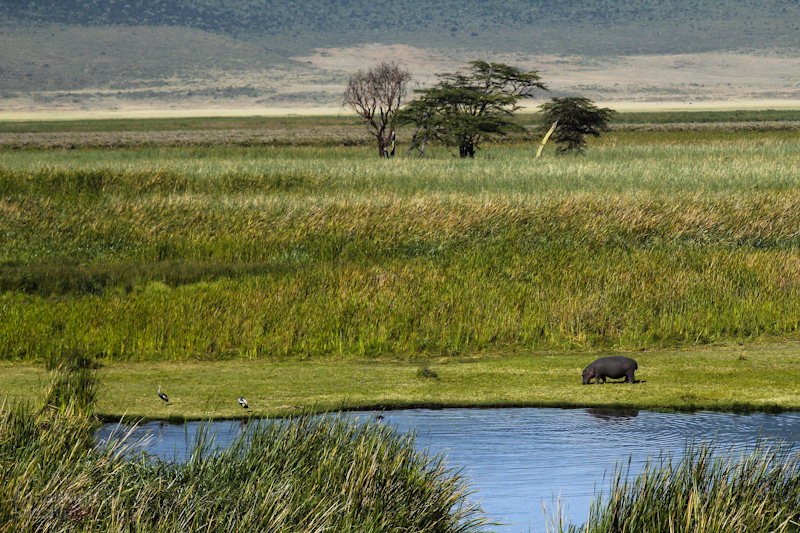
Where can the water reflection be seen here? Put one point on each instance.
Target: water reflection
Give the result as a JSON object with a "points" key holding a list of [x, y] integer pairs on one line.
{"points": [[613, 415], [520, 459]]}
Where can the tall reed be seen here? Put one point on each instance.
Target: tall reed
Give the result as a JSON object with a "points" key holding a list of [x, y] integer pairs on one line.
{"points": [[304, 474], [317, 251], [705, 491]]}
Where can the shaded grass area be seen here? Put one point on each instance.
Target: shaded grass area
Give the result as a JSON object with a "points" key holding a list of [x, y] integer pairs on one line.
{"points": [[322, 121], [707, 117], [347, 130], [176, 124], [739, 378]]}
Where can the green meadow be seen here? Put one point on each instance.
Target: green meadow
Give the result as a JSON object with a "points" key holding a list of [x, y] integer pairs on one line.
{"points": [[296, 269], [170, 253], [736, 378]]}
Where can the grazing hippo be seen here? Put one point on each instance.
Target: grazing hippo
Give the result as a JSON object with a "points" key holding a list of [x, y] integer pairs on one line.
{"points": [[613, 367]]}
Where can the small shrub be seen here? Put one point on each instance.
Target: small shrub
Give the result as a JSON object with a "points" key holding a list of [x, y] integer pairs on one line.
{"points": [[426, 372]]}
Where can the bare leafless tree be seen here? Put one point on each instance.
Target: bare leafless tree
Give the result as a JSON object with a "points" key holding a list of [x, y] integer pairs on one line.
{"points": [[375, 94]]}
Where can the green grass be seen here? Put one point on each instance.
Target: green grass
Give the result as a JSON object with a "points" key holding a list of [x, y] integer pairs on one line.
{"points": [[318, 251], [733, 378], [708, 490]]}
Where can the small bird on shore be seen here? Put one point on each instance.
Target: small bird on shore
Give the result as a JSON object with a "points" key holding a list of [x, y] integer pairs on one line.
{"points": [[242, 402], [162, 395]]}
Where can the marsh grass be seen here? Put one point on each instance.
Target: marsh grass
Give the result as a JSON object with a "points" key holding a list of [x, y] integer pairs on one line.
{"points": [[652, 239], [302, 474], [706, 490], [73, 386]]}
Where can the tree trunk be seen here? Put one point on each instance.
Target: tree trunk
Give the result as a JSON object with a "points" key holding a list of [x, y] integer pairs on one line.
{"points": [[381, 146], [422, 147]]}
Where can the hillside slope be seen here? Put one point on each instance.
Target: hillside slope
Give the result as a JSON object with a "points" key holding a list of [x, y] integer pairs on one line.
{"points": [[553, 26], [66, 54]]}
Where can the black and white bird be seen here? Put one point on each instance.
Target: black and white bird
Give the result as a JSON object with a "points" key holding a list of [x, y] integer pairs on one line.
{"points": [[162, 395], [242, 402]]}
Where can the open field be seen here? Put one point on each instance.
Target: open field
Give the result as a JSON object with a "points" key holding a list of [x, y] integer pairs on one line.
{"points": [[305, 274], [308, 247], [729, 378]]}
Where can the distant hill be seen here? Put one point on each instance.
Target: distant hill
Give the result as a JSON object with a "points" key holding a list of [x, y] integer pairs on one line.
{"points": [[553, 26], [67, 53]]}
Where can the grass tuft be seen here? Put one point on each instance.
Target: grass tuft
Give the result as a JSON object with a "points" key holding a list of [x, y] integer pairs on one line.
{"points": [[426, 372], [706, 490]]}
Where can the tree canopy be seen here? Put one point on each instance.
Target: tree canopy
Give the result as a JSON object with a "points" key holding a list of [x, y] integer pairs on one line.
{"points": [[577, 117], [466, 106]]}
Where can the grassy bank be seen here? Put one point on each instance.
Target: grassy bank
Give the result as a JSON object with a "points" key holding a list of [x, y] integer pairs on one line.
{"points": [[326, 474], [738, 378], [299, 474]]}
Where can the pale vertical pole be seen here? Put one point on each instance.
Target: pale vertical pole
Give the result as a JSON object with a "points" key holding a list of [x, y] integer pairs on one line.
{"points": [[549, 133]]}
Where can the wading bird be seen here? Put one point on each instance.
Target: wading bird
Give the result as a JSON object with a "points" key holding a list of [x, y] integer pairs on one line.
{"points": [[162, 395], [242, 402]]}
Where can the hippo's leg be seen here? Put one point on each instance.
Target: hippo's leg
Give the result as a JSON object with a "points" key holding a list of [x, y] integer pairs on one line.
{"points": [[629, 377]]}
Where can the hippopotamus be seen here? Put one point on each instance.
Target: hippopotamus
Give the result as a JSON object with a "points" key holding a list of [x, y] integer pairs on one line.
{"points": [[613, 367]]}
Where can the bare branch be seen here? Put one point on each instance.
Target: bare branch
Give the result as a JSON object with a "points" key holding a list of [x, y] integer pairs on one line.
{"points": [[375, 94]]}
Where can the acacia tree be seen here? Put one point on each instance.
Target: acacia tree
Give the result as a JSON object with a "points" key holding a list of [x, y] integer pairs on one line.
{"points": [[577, 117], [376, 94], [466, 106]]}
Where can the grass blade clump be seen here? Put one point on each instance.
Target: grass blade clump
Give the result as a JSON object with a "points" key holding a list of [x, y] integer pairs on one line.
{"points": [[757, 490], [303, 474], [73, 385]]}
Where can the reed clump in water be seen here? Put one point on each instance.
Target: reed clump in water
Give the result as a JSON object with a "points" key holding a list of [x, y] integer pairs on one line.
{"points": [[300, 474], [757, 490]]}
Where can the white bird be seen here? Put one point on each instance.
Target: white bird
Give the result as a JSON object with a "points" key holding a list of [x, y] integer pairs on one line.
{"points": [[162, 395], [242, 402]]}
